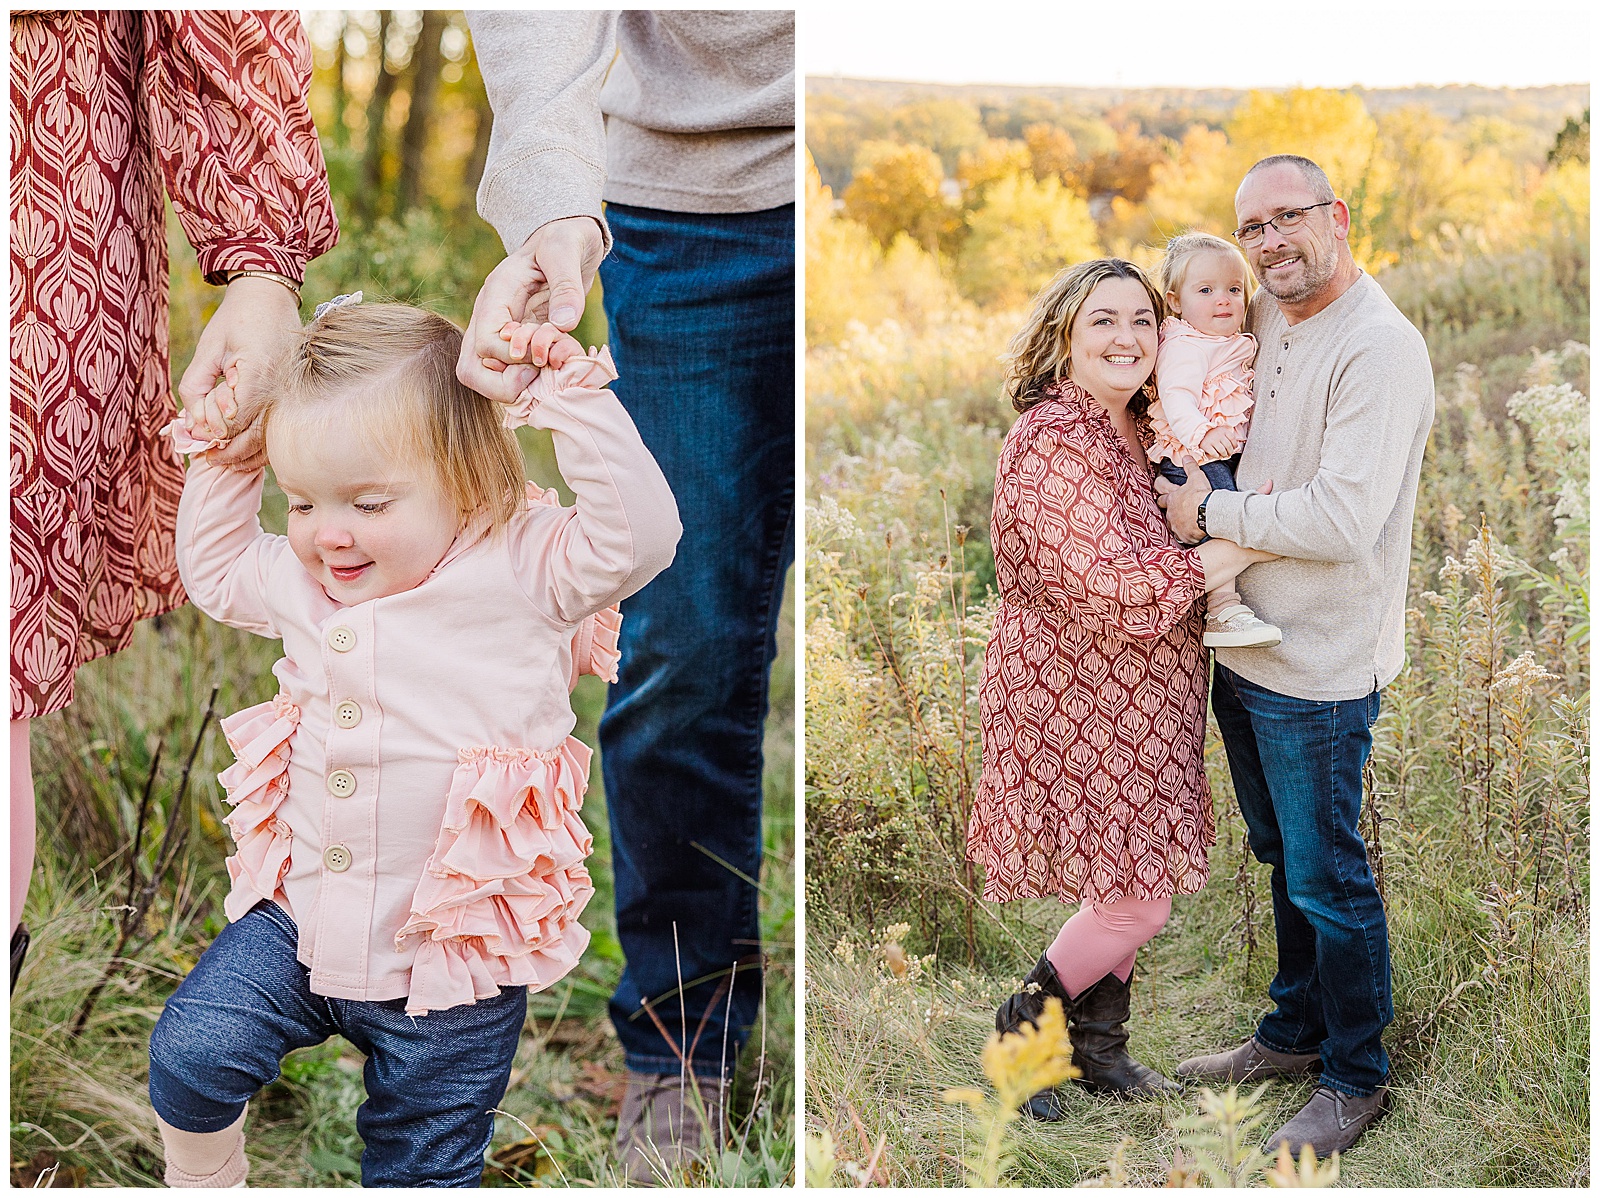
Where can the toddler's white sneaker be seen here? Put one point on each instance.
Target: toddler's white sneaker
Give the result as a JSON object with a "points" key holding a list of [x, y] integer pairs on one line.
{"points": [[1237, 627]]}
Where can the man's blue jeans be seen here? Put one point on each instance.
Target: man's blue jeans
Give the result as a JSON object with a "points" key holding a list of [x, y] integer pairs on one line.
{"points": [[432, 1081], [1296, 766], [701, 312]]}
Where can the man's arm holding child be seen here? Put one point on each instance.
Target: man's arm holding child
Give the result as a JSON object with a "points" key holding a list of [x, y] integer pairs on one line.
{"points": [[542, 181], [1379, 398]]}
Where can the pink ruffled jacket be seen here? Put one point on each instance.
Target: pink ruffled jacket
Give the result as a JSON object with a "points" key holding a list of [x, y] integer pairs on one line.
{"points": [[411, 794], [1204, 383]]}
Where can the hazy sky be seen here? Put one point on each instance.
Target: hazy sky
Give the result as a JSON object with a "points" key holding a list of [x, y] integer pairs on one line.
{"points": [[1258, 43]]}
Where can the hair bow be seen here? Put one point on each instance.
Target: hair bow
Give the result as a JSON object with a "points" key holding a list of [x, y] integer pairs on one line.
{"points": [[338, 301]]}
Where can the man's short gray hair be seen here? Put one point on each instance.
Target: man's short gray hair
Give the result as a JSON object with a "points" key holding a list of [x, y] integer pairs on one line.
{"points": [[1315, 177]]}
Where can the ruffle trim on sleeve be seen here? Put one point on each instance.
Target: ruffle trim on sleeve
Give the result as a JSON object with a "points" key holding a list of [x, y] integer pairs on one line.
{"points": [[185, 442], [590, 371], [499, 899], [597, 646], [597, 642], [256, 785]]}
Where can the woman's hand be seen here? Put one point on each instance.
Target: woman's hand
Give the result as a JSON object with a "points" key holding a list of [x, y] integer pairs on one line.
{"points": [[223, 390]]}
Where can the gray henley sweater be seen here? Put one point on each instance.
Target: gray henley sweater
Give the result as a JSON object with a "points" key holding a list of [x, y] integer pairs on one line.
{"points": [[698, 113], [1344, 401]]}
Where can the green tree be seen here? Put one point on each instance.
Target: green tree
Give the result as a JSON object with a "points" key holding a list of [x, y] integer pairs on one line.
{"points": [[1026, 231], [947, 127]]}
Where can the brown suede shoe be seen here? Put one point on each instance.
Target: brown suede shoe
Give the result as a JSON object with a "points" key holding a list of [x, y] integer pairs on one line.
{"points": [[668, 1120], [1331, 1122], [1251, 1061]]}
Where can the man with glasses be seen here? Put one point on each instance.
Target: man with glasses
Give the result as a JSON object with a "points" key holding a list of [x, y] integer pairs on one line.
{"points": [[1344, 401]]}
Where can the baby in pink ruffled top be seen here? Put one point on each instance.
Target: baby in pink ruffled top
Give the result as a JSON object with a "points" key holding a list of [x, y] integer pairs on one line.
{"points": [[1203, 378], [406, 806]]}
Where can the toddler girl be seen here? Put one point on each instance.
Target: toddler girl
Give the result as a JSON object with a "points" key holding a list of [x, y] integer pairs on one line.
{"points": [[1203, 377], [406, 806]]}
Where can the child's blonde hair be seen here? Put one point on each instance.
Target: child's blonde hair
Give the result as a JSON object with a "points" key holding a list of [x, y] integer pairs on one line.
{"points": [[1042, 349], [391, 370], [1183, 249]]}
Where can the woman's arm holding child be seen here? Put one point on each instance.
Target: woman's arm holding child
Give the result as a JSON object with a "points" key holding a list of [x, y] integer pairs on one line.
{"points": [[624, 528]]}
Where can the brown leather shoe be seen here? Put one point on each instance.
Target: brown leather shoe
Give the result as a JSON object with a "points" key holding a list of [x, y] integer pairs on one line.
{"points": [[667, 1121], [1100, 1043], [1251, 1061], [1331, 1122]]}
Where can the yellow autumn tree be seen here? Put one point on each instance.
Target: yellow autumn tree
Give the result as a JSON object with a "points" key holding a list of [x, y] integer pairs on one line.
{"points": [[1025, 232], [896, 189], [849, 277], [996, 159]]}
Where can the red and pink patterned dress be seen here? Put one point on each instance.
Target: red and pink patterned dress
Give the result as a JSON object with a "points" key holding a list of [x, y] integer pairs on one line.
{"points": [[104, 106], [1094, 682]]}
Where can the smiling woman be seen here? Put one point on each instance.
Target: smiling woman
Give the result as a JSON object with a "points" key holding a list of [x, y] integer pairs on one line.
{"points": [[1094, 680]]}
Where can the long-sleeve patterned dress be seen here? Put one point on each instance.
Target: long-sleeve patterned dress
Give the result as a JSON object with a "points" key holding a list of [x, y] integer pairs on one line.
{"points": [[1094, 682], [104, 106]]}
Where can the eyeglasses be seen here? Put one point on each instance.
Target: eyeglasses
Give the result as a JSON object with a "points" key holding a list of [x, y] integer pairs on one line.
{"points": [[1286, 221]]}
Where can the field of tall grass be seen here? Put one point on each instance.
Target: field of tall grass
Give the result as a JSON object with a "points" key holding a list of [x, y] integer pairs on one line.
{"points": [[1476, 812], [120, 836]]}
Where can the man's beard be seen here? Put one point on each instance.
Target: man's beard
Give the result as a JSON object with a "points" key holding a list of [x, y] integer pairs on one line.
{"points": [[1315, 274]]}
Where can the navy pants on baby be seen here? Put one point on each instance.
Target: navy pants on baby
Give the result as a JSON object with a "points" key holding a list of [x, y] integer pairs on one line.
{"points": [[431, 1079]]}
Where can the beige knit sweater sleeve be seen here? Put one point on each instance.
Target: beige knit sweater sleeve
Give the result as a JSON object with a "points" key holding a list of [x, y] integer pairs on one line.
{"points": [[547, 151]]}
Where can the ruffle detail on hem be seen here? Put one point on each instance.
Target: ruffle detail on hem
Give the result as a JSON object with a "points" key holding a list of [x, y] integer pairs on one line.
{"points": [[591, 371], [1225, 402], [256, 785], [596, 644], [499, 899], [185, 442]]}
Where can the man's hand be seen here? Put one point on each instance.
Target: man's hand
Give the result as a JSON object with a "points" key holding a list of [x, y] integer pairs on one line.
{"points": [[547, 278], [1182, 504], [223, 390]]}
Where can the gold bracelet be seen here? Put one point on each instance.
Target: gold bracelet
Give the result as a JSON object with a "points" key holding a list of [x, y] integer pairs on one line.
{"points": [[285, 280]]}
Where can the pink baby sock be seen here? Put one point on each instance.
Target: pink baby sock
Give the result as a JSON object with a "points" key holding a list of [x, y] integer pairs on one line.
{"points": [[1104, 938]]}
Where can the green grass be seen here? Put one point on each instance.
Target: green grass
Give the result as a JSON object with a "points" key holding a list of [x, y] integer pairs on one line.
{"points": [[79, 1110]]}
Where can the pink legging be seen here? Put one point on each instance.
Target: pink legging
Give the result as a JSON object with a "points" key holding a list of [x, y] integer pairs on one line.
{"points": [[23, 818], [1105, 938]]}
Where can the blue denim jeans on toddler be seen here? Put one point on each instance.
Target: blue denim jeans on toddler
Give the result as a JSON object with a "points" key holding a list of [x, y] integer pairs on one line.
{"points": [[431, 1079], [1219, 474], [701, 314], [1296, 766]]}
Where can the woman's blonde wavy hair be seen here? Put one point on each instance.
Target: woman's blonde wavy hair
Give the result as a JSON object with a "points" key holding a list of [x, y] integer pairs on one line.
{"points": [[1042, 350], [388, 371]]}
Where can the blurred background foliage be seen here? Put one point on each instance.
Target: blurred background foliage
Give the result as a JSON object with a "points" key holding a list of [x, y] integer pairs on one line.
{"points": [[404, 122], [952, 195]]}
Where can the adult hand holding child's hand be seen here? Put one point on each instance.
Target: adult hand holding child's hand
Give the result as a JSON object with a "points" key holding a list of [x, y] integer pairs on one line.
{"points": [[546, 279], [222, 389]]}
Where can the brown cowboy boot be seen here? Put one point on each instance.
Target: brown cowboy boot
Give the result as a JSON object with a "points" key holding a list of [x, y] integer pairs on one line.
{"points": [[1100, 1044], [1025, 1007]]}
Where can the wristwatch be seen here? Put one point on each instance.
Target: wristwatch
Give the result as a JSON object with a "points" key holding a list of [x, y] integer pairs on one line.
{"points": [[1200, 512]]}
